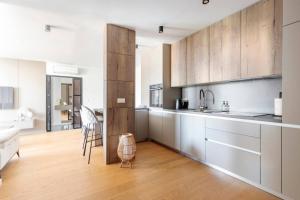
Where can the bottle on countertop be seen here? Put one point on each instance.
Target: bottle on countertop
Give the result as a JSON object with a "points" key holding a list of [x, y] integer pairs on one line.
{"points": [[278, 105], [227, 106]]}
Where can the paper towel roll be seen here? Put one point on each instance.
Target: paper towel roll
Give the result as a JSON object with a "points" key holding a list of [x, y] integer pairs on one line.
{"points": [[278, 106]]}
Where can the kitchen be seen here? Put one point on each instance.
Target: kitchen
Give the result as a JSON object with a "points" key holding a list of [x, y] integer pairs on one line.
{"points": [[194, 99], [239, 79]]}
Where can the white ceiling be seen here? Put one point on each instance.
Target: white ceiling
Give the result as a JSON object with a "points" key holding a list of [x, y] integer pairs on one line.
{"points": [[181, 17]]}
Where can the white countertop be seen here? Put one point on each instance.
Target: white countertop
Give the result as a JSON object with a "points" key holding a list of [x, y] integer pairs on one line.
{"points": [[255, 120]]}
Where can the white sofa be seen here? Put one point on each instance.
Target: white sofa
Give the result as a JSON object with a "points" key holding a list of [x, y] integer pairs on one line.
{"points": [[9, 145]]}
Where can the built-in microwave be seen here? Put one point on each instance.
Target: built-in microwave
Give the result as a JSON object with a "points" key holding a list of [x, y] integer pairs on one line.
{"points": [[156, 95]]}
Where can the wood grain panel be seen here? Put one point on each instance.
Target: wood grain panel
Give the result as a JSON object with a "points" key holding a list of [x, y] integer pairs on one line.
{"points": [[126, 90], [120, 72], [198, 57], [216, 64], [113, 142], [126, 68], [131, 41], [120, 120], [178, 63], [169, 94], [120, 67], [278, 36], [258, 40], [231, 47], [120, 40]]}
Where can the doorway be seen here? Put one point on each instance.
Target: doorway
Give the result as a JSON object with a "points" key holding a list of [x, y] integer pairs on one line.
{"points": [[63, 102]]}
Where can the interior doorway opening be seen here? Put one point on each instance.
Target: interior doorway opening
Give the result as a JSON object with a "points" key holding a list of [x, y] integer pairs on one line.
{"points": [[63, 102]]}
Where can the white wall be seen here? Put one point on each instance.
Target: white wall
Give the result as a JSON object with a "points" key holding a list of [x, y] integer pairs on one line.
{"points": [[151, 67], [92, 84], [74, 40], [28, 80]]}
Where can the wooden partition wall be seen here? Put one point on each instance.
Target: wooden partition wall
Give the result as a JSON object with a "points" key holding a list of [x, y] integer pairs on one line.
{"points": [[119, 87]]}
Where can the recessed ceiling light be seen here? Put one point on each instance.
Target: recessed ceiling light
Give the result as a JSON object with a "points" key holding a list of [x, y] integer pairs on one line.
{"points": [[205, 2], [47, 28]]}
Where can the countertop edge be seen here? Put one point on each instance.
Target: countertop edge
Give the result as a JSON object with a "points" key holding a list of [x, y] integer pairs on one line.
{"points": [[280, 124]]}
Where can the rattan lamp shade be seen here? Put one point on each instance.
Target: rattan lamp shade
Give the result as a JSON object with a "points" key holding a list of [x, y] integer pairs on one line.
{"points": [[126, 148]]}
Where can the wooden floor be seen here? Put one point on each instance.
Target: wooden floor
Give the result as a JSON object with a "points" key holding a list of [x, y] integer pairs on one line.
{"points": [[52, 167]]}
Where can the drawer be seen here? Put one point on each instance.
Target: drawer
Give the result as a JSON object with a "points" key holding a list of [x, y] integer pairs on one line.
{"points": [[241, 163], [242, 128], [241, 141]]}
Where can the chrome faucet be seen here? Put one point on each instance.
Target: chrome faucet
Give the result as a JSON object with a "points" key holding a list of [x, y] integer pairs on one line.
{"points": [[203, 96]]}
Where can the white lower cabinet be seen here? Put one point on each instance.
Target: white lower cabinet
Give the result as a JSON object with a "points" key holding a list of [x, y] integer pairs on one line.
{"points": [[193, 137], [239, 162], [271, 157], [263, 154], [164, 127], [155, 125], [234, 146], [171, 130]]}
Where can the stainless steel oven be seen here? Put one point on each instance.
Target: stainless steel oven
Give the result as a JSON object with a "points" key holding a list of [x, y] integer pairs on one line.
{"points": [[156, 95]]}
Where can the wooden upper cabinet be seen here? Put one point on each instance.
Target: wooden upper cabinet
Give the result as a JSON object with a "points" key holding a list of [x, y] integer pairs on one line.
{"points": [[261, 39], [216, 64], [198, 57], [245, 45], [231, 47], [225, 49], [178, 63], [120, 40]]}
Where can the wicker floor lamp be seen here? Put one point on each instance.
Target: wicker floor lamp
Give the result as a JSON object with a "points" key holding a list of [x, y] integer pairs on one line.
{"points": [[126, 149]]}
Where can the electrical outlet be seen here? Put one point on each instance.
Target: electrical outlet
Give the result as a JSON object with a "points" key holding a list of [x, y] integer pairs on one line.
{"points": [[121, 100]]}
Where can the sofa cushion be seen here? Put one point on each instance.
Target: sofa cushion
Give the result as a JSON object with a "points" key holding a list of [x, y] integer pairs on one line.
{"points": [[7, 134]]}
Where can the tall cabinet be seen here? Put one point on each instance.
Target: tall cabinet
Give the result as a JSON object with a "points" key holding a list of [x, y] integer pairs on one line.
{"points": [[291, 99], [178, 63]]}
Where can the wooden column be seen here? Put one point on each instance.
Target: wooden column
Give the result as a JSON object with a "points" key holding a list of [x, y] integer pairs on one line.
{"points": [[119, 87]]}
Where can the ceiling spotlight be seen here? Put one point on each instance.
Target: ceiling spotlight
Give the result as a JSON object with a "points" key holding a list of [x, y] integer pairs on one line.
{"points": [[47, 28], [160, 29], [205, 2]]}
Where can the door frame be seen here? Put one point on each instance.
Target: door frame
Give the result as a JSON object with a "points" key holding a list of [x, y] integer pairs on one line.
{"points": [[49, 96]]}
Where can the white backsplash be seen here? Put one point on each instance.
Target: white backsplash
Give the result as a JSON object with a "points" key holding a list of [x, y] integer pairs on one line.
{"points": [[244, 96]]}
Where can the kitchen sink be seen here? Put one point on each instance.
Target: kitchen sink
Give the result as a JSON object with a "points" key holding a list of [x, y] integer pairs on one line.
{"points": [[237, 114], [207, 111], [241, 114]]}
